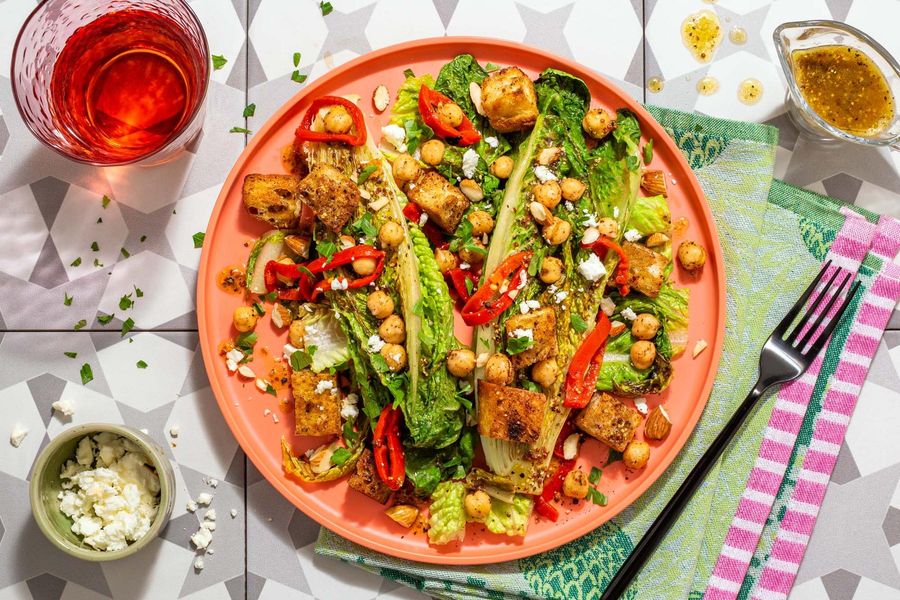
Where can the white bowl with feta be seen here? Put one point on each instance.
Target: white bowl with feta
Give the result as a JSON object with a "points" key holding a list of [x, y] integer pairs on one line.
{"points": [[102, 491]]}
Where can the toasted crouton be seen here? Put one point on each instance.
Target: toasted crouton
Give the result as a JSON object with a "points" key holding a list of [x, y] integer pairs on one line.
{"points": [[272, 199], [610, 421], [646, 268], [366, 480], [508, 413], [317, 405], [331, 195], [442, 201], [542, 324], [508, 100]]}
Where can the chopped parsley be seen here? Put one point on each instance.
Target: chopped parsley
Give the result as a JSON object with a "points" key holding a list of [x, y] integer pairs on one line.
{"points": [[125, 252], [141, 364], [271, 296], [350, 435], [491, 67], [297, 59], [105, 319], [71, 354], [87, 374], [80, 324], [259, 308], [578, 324], [364, 226], [648, 152], [143, 238], [365, 174], [517, 345], [408, 73], [340, 456], [127, 326], [218, 61], [298, 76], [270, 389], [76, 262], [198, 239], [614, 455], [594, 477], [138, 292], [105, 201], [326, 8], [249, 110], [246, 341], [301, 359], [67, 299], [597, 497], [97, 262], [125, 302], [95, 246], [239, 130]]}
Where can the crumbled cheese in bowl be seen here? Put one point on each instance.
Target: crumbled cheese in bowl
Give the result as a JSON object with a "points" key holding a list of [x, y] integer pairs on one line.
{"points": [[469, 163], [110, 491]]}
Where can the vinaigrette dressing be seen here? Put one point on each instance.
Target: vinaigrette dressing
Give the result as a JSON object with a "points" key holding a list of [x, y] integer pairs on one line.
{"points": [[750, 91], [655, 85], [702, 34], [738, 35], [708, 86]]}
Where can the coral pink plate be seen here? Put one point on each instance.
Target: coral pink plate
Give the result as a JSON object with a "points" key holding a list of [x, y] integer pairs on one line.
{"points": [[335, 505]]}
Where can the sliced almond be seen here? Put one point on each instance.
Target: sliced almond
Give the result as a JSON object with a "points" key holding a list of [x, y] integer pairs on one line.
{"points": [[539, 212], [591, 235], [656, 239], [658, 424], [482, 359], [654, 183], [377, 205], [616, 327], [404, 514], [381, 98], [548, 156], [699, 347], [471, 190], [475, 95], [346, 241], [245, 371], [298, 244]]}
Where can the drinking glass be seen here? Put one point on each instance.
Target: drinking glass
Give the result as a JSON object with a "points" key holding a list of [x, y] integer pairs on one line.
{"points": [[112, 82]]}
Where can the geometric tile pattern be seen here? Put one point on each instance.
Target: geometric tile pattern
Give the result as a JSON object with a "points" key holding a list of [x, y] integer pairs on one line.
{"points": [[53, 214]]}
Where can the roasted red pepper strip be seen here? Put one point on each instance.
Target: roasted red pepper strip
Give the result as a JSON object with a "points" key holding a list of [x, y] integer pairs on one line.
{"points": [[430, 102], [621, 276], [458, 278], [585, 366], [554, 484], [545, 509], [390, 463], [413, 212], [306, 288], [489, 301], [304, 132]]}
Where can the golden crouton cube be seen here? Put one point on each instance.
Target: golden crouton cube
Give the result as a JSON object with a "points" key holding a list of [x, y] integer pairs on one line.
{"points": [[317, 403], [542, 324], [610, 421], [508, 100], [508, 413], [366, 480], [272, 199], [331, 195], [439, 199], [646, 268]]}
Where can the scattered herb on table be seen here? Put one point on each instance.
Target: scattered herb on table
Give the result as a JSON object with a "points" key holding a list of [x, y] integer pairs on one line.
{"points": [[141, 364], [198, 239], [298, 77], [80, 324], [76, 262], [127, 326], [218, 61], [67, 299], [105, 201], [238, 130], [125, 252], [125, 302], [249, 110], [95, 246], [87, 374], [71, 354], [105, 319], [326, 8]]}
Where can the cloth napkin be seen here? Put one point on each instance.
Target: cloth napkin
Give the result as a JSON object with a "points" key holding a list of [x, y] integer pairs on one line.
{"points": [[773, 238]]}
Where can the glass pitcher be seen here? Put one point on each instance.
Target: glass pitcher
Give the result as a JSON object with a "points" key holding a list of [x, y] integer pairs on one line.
{"points": [[800, 35]]}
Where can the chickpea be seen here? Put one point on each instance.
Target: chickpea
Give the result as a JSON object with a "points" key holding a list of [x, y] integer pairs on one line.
{"points": [[636, 455], [548, 193], [545, 372], [575, 485], [645, 326], [598, 123], [364, 266], [572, 189], [607, 226], [557, 231], [473, 257], [461, 362], [391, 234], [245, 318], [478, 505], [395, 356], [297, 333], [551, 270], [450, 114], [405, 167], [393, 330], [692, 256], [502, 167], [338, 120], [643, 353], [433, 152], [498, 369], [380, 304], [482, 222], [446, 260]]}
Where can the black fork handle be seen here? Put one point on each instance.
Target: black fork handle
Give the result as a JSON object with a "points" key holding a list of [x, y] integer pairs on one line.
{"points": [[673, 509]]}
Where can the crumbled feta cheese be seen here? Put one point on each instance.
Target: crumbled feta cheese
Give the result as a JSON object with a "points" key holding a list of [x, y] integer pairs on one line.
{"points": [[699, 347], [423, 218], [288, 350], [375, 343], [208, 525], [607, 306], [395, 136], [628, 314], [349, 411], [523, 278], [544, 174], [592, 268], [198, 563], [202, 538], [464, 266], [235, 355], [212, 483], [204, 499], [641, 405], [528, 306], [324, 385], [245, 371], [522, 333], [469, 163], [233, 513], [261, 385], [632, 235], [339, 283], [17, 435], [616, 212], [267, 412], [191, 506], [654, 270], [64, 406], [174, 430], [569, 206], [560, 296], [590, 220], [570, 446], [492, 141], [232, 366], [210, 515]]}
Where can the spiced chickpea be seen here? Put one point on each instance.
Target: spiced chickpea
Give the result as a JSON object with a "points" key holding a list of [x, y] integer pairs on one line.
{"points": [[478, 505], [575, 485], [338, 120], [548, 193], [380, 304], [432, 152], [297, 333], [482, 222], [498, 369], [393, 330], [461, 362], [395, 356], [643, 353], [450, 114], [636, 455], [572, 189], [245, 318], [557, 231], [598, 123], [692, 256], [645, 326], [502, 167], [551, 270], [364, 266], [474, 253], [390, 235], [607, 226], [545, 372], [405, 167], [446, 260]]}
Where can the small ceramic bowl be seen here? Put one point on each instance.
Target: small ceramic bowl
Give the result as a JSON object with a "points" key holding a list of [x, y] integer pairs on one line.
{"points": [[45, 487]]}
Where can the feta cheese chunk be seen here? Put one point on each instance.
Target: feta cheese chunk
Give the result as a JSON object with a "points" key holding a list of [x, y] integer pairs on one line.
{"points": [[469, 163], [191, 506], [349, 410], [523, 333], [544, 174], [198, 563], [64, 407], [641, 405], [375, 344], [570, 446], [324, 385], [632, 235], [592, 268], [395, 136], [628, 314], [202, 538], [17, 434], [492, 141], [174, 430], [233, 513], [204, 499]]}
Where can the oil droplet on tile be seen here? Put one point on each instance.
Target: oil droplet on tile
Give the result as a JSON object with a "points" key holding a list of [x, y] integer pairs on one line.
{"points": [[710, 1], [655, 85], [701, 34], [708, 86], [738, 35], [750, 91]]}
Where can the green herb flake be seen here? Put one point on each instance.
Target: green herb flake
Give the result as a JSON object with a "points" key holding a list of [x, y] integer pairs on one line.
{"points": [[249, 110], [298, 77], [326, 8], [349, 434], [259, 308], [198, 239], [270, 389], [67, 299], [340, 456], [138, 292], [578, 324], [105, 319], [648, 152], [87, 374], [95, 246], [97, 262], [71, 354], [296, 59], [218, 61], [141, 364], [105, 201], [598, 498], [271, 296], [517, 345], [127, 326], [99, 220], [246, 341], [143, 238], [408, 73], [76, 262], [365, 174], [364, 226], [594, 477], [125, 252], [614, 455], [125, 302], [300, 359], [326, 248], [491, 67], [239, 130], [80, 324]]}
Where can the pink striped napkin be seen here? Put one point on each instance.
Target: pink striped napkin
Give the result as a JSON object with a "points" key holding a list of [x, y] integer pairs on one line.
{"points": [[847, 252]]}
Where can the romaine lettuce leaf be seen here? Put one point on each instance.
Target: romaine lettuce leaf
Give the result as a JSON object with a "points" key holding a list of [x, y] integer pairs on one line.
{"points": [[426, 468], [454, 79], [510, 518], [447, 518], [650, 215], [322, 330]]}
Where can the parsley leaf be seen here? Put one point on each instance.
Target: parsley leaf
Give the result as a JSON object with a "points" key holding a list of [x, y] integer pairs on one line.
{"points": [[198, 239], [246, 341], [105, 319], [365, 174], [80, 324], [141, 364], [240, 130], [594, 477], [648, 152], [105, 201], [301, 359], [143, 238], [271, 296], [364, 226], [259, 308], [597, 497], [87, 374], [298, 77], [297, 59], [95, 246], [340, 456], [125, 302], [249, 110], [71, 354], [67, 299], [125, 252], [517, 345], [326, 8], [97, 262], [127, 326], [138, 292], [577, 323], [218, 61], [408, 73], [76, 262], [270, 389], [491, 67], [614, 455], [326, 248]]}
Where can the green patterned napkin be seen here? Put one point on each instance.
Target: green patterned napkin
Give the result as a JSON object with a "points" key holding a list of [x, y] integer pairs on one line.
{"points": [[773, 239]]}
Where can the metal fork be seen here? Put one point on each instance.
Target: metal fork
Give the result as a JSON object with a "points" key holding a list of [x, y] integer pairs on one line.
{"points": [[786, 355]]}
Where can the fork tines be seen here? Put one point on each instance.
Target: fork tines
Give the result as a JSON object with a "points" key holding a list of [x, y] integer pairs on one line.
{"points": [[813, 330]]}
